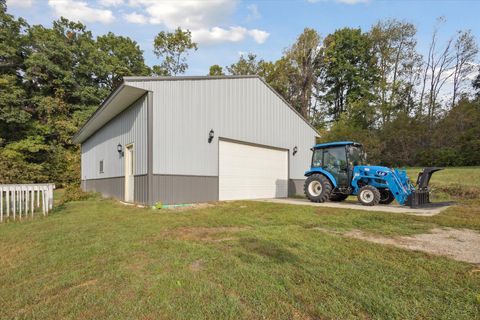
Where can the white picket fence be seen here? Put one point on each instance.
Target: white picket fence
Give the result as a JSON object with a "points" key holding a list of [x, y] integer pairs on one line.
{"points": [[18, 201]]}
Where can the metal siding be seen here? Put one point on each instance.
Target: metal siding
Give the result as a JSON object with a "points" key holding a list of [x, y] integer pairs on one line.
{"points": [[170, 189], [128, 127], [140, 189], [295, 187], [243, 109], [109, 187], [115, 187]]}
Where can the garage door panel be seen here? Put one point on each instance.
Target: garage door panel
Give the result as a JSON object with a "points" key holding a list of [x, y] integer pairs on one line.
{"points": [[251, 172]]}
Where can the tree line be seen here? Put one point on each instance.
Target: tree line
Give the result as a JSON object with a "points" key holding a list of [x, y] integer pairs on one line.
{"points": [[53, 79], [373, 87]]}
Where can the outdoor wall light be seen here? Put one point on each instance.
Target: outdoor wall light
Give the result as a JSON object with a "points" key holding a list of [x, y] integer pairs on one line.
{"points": [[120, 150], [211, 134], [295, 150]]}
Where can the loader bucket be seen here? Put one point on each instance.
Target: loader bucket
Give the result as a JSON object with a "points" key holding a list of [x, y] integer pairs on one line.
{"points": [[421, 195]]}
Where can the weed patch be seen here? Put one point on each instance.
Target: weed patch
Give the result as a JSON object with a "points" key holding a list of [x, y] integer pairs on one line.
{"points": [[457, 191], [75, 193]]}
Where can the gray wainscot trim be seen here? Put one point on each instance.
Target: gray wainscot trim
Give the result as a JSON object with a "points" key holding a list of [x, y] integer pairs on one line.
{"points": [[115, 187], [175, 189], [295, 187], [169, 189]]}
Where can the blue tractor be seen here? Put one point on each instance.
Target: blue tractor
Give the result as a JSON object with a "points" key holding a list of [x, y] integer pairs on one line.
{"points": [[339, 170]]}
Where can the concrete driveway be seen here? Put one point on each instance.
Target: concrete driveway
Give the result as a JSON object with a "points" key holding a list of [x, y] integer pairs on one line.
{"points": [[428, 211]]}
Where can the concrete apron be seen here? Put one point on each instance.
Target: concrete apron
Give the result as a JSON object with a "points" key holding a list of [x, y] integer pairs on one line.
{"points": [[425, 212]]}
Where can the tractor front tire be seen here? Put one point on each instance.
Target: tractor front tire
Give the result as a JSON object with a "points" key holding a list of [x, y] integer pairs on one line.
{"points": [[369, 196], [317, 188], [386, 196], [338, 197]]}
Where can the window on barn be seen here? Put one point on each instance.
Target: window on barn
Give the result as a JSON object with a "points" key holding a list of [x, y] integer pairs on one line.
{"points": [[101, 166]]}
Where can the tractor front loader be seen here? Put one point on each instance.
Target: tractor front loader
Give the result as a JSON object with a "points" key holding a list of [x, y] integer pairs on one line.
{"points": [[338, 170]]}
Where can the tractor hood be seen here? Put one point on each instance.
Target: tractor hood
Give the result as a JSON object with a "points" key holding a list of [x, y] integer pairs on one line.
{"points": [[376, 170]]}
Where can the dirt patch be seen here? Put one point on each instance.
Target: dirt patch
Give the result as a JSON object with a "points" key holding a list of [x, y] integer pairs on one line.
{"points": [[86, 283], [458, 244], [194, 206], [196, 265], [139, 262], [299, 315], [13, 253], [53, 296], [204, 234]]}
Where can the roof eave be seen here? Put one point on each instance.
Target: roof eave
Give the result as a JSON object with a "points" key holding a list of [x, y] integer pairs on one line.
{"points": [[179, 78], [83, 134]]}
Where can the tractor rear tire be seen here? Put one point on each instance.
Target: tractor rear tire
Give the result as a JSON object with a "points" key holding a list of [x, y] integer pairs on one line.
{"points": [[386, 196], [369, 196], [338, 197], [317, 188]]}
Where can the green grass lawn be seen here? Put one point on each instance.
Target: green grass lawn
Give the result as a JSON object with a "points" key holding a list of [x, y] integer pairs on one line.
{"points": [[453, 183], [98, 259], [466, 176]]}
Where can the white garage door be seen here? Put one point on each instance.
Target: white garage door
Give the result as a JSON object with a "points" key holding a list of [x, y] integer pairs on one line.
{"points": [[251, 172]]}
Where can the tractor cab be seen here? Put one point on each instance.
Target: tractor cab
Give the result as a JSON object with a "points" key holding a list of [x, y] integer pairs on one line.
{"points": [[338, 159]]}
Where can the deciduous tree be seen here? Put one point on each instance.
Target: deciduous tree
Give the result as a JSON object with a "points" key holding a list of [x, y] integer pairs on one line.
{"points": [[216, 70], [466, 50], [173, 48], [305, 58], [121, 56], [13, 50], [476, 83], [348, 74], [437, 71], [246, 65], [394, 46]]}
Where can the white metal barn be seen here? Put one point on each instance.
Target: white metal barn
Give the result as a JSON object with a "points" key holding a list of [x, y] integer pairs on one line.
{"points": [[195, 139]]}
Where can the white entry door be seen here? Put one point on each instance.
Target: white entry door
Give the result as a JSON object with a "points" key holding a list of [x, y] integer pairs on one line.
{"points": [[129, 178], [251, 172]]}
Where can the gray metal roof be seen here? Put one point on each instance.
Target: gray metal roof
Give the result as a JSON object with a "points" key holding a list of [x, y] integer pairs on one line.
{"points": [[175, 78], [123, 99]]}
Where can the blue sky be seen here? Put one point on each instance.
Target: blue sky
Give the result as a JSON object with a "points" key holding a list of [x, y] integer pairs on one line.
{"points": [[226, 28]]}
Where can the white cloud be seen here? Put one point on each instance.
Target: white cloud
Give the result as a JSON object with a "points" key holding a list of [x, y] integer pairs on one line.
{"points": [[135, 18], [79, 10], [191, 14], [232, 34], [259, 36], [217, 34], [254, 14], [110, 3], [202, 18], [20, 3]]}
